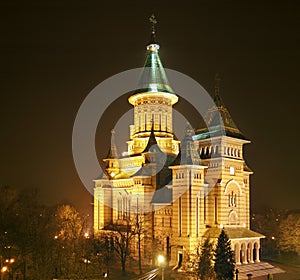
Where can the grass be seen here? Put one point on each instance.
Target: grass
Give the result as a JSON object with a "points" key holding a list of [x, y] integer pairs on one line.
{"points": [[287, 259]]}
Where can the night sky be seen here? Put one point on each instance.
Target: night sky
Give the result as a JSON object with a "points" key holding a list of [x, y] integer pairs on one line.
{"points": [[53, 53]]}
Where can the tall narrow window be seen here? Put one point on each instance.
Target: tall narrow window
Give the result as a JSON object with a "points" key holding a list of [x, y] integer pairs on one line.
{"points": [[197, 216], [204, 206], [99, 212], [124, 208], [160, 121], [129, 208], [152, 120], [179, 216], [119, 209], [166, 121], [139, 123], [145, 121], [216, 210]]}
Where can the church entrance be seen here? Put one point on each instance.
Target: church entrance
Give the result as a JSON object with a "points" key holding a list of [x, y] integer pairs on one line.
{"points": [[179, 260]]}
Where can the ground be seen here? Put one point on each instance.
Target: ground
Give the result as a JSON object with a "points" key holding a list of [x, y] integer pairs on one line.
{"points": [[291, 273]]}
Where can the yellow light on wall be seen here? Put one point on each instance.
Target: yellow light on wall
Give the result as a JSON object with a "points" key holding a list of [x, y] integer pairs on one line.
{"points": [[160, 259]]}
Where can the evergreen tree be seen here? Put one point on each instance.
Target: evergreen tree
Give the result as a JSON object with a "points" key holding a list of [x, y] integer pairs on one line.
{"points": [[205, 267], [224, 260]]}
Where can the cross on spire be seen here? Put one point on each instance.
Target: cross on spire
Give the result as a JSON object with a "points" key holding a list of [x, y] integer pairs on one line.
{"points": [[153, 22]]}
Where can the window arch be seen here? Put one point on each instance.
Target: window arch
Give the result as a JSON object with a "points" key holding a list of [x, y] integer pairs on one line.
{"points": [[232, 185], [233, 218]]}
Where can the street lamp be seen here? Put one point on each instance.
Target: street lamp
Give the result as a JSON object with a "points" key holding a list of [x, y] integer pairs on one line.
{"points": [[161, 260], [3, 270], [86, 261]]}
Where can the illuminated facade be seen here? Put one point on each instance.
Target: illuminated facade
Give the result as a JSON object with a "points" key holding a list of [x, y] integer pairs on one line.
{"points": [[167, 183]]}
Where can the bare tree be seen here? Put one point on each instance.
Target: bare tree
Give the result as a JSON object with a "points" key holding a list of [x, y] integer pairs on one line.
{"points": [[122, 235], [104, 249]]}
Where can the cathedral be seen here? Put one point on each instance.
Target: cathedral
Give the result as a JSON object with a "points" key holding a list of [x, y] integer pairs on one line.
{"points": [[181, 191]]}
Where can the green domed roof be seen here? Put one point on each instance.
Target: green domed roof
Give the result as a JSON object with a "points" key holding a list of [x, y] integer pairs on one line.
{"points": [[153, 77]]}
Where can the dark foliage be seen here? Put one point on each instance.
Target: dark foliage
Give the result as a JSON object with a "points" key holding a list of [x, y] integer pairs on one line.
{"points": [[224, 258]]}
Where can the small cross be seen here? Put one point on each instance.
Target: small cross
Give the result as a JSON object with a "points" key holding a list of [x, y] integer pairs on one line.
{"points": [[153, 21], [217, 84]]}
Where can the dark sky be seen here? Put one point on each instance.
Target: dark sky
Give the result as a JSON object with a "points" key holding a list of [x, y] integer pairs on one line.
{"points": [[53, 53]]}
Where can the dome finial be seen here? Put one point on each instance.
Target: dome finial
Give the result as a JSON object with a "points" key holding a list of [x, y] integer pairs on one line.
{"points": [[153, 22], [217, 84], [217, 96]]}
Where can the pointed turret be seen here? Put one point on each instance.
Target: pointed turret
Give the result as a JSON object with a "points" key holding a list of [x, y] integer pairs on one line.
{"points": [[218, 119], [153, 77], [153, 101], [152, 146], [112, 159], [188, 152], [113, 152]]}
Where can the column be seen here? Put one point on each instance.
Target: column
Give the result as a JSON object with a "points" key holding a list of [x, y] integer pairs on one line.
{"points": [[257, 253], [251, 252], [237, 254]]}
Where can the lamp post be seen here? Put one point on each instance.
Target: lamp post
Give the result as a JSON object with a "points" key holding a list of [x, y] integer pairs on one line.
{"points": [[236, 274], [86, 261], [161, 260], [11, 262]]}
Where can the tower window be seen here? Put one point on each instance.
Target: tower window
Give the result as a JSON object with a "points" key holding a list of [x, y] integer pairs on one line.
{"points": [[179, 216], [204, 207], [197, 216], [232, 199], [231, 170], [216, 210]]}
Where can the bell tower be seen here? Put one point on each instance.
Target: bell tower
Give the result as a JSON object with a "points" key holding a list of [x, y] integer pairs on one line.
{"points": [[221, 149]]}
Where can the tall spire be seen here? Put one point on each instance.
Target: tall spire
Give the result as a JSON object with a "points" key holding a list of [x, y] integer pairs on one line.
{"points": [[213, 121], [189, 154], [153, 77], [113, 152], [217, 84], [217, 96]]}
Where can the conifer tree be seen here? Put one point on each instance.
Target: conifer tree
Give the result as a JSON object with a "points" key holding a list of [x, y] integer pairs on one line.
{"points": [[224, 260], [205, 266]]}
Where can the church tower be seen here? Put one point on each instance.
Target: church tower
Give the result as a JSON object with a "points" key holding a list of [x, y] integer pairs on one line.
{"points": [[220, 146], [188, 188]]}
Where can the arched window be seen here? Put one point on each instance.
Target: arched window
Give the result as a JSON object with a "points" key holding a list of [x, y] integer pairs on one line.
{"points": [[233, 218], [232, 199]]}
